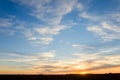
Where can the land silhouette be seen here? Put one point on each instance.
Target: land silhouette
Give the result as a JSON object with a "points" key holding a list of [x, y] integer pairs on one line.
{"points": [[109, 76]]}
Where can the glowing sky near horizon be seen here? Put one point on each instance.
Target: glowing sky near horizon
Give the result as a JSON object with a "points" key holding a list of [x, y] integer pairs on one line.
{"points": [[59, 36]]}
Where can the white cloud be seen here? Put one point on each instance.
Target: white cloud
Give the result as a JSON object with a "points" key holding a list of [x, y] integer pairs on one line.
{"points": [[110, 27], [106, 31], [46, 40], [42, 8], [18, 57], [29, 34], [50, 54], [6, 26], [115, 16], [50, 30], [98, 54], [43, 35], [86, 15], [11, 25], [6, 23], [36, 35], [79, 6], [7, 31], [78, 46], [107, 50], [94, 49], [97, 29], [37, 39], [51, 13]]}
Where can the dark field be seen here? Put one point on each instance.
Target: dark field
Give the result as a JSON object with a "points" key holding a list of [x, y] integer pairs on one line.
{"points": [[62, 77]]}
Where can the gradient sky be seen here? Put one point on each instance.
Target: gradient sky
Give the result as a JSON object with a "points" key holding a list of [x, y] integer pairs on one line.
{"points": [[59, 36]]}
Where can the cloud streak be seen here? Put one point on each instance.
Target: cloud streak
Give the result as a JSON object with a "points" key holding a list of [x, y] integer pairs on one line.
{"points": [[42, 8], [46, 62], [106, 31]]}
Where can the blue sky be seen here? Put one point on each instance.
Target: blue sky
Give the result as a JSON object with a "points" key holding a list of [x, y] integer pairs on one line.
{"points": [[59, 36]]}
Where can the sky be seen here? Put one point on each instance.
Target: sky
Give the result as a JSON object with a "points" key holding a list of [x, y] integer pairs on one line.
{"points": [[59, 36]]}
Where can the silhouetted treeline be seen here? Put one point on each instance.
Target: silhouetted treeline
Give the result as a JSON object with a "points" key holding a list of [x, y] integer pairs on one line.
{"points": [[62, 77]]}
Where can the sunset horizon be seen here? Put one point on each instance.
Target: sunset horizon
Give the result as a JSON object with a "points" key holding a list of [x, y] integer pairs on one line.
{"points": [[59, 36]]}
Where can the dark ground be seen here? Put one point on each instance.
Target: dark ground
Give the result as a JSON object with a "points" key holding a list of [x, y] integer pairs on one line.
{"points": [[62, 77]]}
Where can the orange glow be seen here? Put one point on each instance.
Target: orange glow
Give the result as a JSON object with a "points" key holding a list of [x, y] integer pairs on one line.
{"points": [[7, 70], [106, 70], [83, 67], [83, 73]]}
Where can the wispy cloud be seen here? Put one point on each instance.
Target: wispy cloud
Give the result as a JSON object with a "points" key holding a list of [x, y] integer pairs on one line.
{"points": [[95, 49], [42, 8], [38, 35], [11, 25], [46, 62], [50, 30], [116, 16], [28, 59], [46, 55], [4, 22], [78, 46], [86, 15], [43, 35], [106, 31]]}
